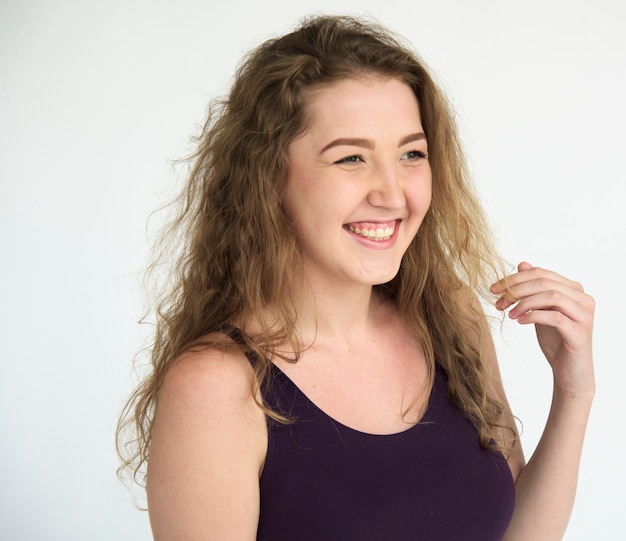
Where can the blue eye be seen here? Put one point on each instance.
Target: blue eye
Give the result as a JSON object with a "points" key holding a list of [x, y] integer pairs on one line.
{"points": [[414, 155], [350, 159]]}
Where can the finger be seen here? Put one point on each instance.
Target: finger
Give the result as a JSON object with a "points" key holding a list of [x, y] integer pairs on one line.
{"points": [[569, 330], [540, 285], [505, 285], [575, 309], [551, 318], [535, 287], [524, 265]]}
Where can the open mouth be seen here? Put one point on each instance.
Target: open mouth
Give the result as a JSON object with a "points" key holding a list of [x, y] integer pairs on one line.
{"points": [[372, 231]]}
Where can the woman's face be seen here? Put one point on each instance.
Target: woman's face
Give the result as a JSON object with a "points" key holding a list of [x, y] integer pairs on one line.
{"points": [[359, 180]]}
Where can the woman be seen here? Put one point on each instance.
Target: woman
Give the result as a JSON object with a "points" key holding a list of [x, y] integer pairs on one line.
{"points": [[322, 368]]}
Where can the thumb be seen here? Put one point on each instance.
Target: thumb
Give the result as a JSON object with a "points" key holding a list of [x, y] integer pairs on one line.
{"points": [[524, 265]]}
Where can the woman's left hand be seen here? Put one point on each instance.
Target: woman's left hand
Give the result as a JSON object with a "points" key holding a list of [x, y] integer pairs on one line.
{"points": [[563, 317]]}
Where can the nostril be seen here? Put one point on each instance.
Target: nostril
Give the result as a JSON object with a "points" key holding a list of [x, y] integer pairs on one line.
{"points": [[388, 196]]}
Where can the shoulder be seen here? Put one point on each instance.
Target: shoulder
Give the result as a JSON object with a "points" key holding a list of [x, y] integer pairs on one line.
{"points": [[208, 446], [218, 375], [210, 387]]}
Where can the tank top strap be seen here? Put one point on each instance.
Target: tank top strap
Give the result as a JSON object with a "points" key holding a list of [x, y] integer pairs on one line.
{"points": [[237, 335]]}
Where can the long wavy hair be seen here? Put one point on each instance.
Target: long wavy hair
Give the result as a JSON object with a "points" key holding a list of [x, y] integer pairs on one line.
{"points": [[230, 252]]}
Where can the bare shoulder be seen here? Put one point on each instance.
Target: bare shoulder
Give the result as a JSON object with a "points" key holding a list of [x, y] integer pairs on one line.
{"points": [[215, 376], [208, 446]]}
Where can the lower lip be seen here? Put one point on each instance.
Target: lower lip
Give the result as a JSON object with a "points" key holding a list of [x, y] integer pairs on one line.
{"points": [[376, 244]]}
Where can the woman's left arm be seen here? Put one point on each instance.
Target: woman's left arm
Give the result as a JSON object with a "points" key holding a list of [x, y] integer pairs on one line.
{"points": [[563, 317]]}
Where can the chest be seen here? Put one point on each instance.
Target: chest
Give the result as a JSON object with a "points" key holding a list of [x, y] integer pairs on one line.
{"points": [[380, 388], [324, 480]]}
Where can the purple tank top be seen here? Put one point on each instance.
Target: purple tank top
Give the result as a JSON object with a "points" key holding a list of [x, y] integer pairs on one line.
{"points": [[323, 481]]}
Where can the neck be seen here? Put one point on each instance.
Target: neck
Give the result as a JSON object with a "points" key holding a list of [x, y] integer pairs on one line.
{"points": [[339, 316]]}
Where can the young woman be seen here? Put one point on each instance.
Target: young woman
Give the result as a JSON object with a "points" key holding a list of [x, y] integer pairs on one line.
{"points": [[322, 368]]}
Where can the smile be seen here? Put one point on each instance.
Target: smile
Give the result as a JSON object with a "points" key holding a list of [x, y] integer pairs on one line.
{"points": [[376, 232]]}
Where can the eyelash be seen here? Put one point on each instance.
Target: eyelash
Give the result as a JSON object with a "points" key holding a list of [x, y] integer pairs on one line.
{"points": [[355, 158], [418, 154]]}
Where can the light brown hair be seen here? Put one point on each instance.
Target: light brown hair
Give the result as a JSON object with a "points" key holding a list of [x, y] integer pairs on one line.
{"points": [[236, 251]]}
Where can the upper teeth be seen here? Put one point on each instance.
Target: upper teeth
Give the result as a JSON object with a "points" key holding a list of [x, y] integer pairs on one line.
{"points": [[380, 233]]}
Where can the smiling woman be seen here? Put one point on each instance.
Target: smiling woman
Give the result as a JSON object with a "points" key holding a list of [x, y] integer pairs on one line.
{"points": [[322, 368]]}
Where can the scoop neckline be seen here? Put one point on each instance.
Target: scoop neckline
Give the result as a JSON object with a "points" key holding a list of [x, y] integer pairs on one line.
{"points": [[409, 431]]}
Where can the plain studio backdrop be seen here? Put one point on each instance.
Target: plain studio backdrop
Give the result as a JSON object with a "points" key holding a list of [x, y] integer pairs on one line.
{"points": [[97, 99]]}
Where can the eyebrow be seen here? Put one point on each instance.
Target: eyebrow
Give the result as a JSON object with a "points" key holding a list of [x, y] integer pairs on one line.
{"points": [[366, 143]]}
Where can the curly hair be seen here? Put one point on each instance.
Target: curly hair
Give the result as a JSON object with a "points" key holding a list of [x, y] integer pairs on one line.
{"points": [[231, 252]]}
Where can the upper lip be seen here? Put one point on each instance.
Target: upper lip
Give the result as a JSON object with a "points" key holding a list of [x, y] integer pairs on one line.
{"points": [[375, 223]]}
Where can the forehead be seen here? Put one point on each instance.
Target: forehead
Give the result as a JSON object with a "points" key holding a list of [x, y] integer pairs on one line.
{"points": [[335, 89], [351, 100]]}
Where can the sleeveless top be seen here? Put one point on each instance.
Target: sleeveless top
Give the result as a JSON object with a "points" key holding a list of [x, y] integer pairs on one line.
{"points": [[323, 481]]}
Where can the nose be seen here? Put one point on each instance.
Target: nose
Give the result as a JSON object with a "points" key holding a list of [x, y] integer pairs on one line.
{"points": [[386, 190]]}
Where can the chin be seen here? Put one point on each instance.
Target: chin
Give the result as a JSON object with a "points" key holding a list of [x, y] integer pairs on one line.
{"points": [[381, 276]]}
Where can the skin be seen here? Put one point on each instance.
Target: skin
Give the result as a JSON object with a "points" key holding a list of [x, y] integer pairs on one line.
{"points": [[361, 164], [209, 439], [562, 314]]}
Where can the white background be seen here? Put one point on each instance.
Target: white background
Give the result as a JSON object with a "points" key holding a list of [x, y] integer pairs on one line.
{"points": [[98, 98]]}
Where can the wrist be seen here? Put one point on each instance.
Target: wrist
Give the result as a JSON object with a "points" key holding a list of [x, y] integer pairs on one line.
{"points": [[580, 396]]}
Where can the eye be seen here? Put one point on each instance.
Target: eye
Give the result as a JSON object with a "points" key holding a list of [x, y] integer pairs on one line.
{"points": [[414, 155], [350, 160]]}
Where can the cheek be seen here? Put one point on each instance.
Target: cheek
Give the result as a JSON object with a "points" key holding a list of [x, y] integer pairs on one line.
{"points": [[313, 196], [305, 207], [294, 195], [421, 196], [428, 196], [427, 189]]}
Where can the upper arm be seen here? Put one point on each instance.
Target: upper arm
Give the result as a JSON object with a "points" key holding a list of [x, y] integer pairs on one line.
{"points": [[208, 445]]}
